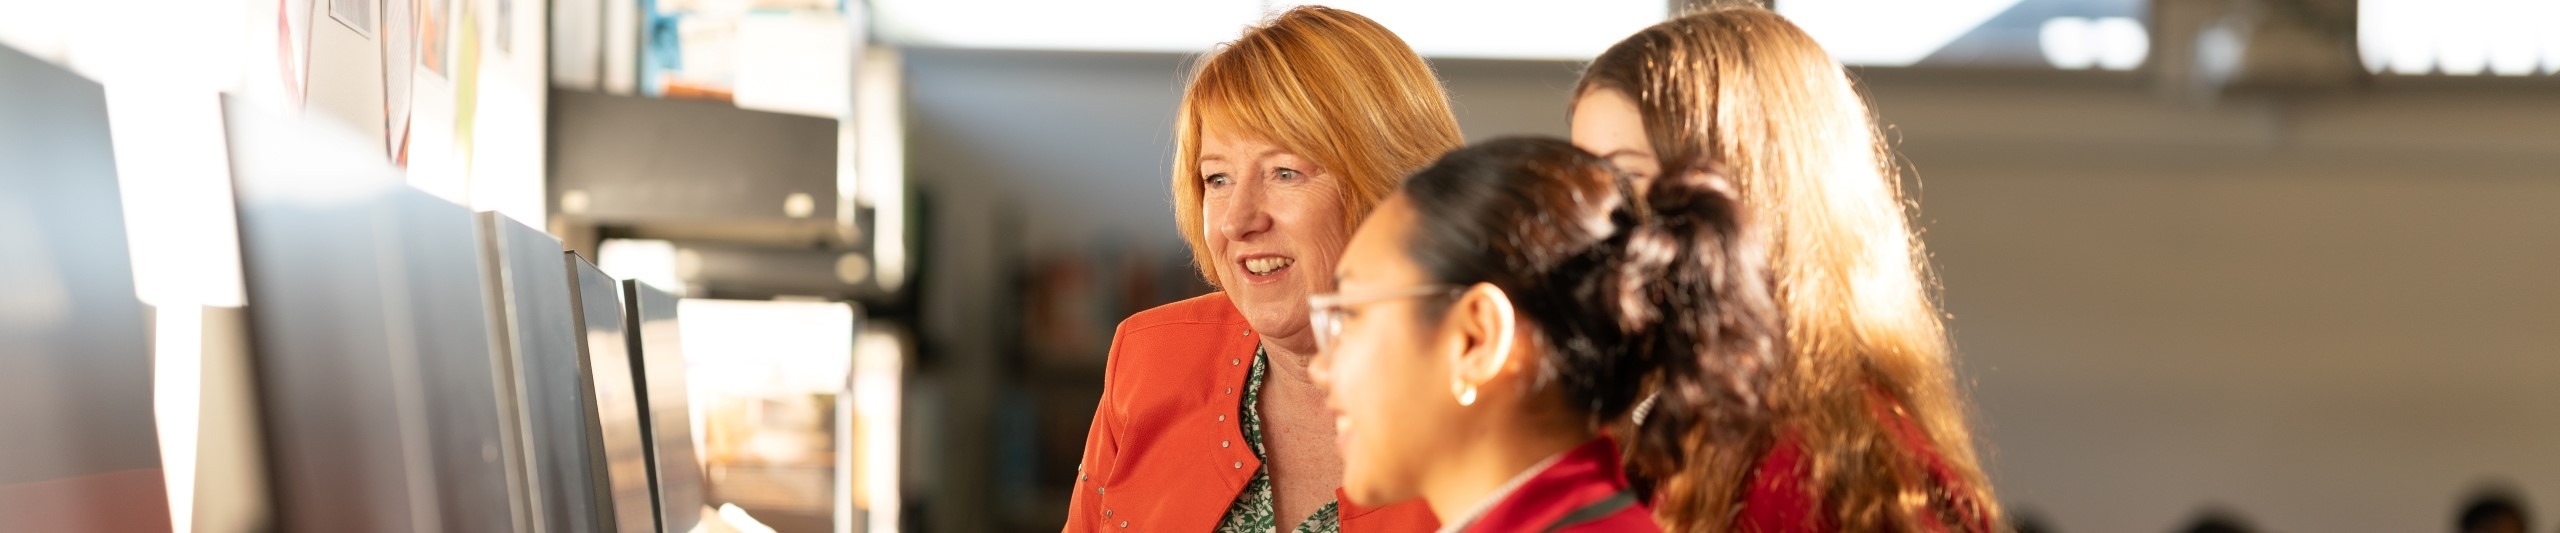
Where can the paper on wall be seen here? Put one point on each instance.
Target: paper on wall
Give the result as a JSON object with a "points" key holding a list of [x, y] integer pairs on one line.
{"points": [[798, 62], [399, 51]]}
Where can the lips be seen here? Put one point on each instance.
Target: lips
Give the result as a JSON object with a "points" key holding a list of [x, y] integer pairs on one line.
{"points": [[1265, 265]]}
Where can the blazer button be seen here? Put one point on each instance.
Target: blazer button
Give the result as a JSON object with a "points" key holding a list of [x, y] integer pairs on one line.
{"points": [[1106, 513], [1234, 362], [1222, 444], [1124, 524], [1098, 491], [1222, 418], [1231, 390], [1239, 465]]}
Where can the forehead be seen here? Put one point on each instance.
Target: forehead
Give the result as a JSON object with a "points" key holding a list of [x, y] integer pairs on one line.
{"points": [[1376, 253], [1606, 115], [1229, 140]]}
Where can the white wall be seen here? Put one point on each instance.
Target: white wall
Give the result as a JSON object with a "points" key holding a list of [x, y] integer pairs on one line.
{"points": [[2336, 315], [2319, 346]]}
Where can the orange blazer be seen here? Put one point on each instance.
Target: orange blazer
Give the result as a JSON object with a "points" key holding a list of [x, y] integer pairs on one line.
{"points": [[1164, 453]]}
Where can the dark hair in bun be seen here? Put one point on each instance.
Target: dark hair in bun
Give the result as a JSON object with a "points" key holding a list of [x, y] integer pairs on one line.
{"points": [[1659, 292]]}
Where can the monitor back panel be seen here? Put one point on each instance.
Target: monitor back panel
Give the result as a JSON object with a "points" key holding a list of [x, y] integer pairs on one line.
{"points": [[614, 424], [471, 403], [658, 355], [377, 380], [537, 322]]}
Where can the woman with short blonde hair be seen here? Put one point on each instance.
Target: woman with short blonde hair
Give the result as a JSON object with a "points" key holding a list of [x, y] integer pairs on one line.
{"points": [[1323, 83], [1285, 139], [1869, 429]]}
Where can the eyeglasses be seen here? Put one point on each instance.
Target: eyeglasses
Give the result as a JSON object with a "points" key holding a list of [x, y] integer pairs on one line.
{"points": [[1325, 311]]}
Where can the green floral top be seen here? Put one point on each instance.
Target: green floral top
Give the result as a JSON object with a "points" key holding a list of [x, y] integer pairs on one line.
{"points": [[1252, 512]]}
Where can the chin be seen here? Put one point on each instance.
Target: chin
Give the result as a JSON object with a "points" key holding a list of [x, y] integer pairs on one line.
{"points": [[1360, 493], [1369, 494], [1272, 314]]}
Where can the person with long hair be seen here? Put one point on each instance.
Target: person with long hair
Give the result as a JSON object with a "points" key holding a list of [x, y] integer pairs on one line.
{"points": [[1868, 429], [1284, 140], [1510, 300]]}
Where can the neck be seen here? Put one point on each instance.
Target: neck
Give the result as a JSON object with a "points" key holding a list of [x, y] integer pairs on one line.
{"points": [[1289, 355], [1469, 474]]}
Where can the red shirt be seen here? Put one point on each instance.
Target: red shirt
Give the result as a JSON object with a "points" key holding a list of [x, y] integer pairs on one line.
{"points": [[1779, 499], [1164, 452], [1584, 491]]}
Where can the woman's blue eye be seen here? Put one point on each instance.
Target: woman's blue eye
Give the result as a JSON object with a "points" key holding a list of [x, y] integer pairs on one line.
{"points": [[1286, 173], [1215, 180]]}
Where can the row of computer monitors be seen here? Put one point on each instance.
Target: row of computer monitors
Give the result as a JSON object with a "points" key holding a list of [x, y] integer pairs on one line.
{"points": [[412, 351], [416, 366]]}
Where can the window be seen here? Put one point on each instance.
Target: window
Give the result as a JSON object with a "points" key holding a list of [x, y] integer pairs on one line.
{"points": [[2459, 37], [1520, 29], [2064, 34]]}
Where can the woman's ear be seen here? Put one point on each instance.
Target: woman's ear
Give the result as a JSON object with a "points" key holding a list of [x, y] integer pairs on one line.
{"points": [[1487, 327]]}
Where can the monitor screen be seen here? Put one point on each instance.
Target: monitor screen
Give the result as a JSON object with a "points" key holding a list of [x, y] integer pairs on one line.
{"points": [[75, 363]]}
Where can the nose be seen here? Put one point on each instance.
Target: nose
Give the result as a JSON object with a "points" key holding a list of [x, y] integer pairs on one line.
{"points": [[1242, 214]]}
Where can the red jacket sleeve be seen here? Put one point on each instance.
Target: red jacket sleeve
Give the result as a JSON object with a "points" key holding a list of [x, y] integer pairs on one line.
{"points": [[1101, 450]]}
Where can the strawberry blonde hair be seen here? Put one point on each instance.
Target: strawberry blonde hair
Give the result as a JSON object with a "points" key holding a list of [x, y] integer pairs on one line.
{"points": [[1744, 87], [1325, 84]]}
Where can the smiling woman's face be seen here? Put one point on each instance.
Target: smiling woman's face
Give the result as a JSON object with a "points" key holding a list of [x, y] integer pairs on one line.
{"points": [[1273, 221]]}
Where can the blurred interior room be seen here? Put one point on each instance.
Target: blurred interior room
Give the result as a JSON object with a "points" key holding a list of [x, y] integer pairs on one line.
{"points": [[856, 265]]}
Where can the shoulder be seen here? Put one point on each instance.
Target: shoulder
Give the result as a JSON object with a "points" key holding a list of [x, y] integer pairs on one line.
{"points": [[1947, 489], [1183, 346], [1161, 390], [1184, 329], [1778, 497], [1209, 310]]}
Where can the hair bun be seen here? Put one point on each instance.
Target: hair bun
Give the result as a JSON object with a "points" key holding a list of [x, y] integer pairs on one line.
{"points": [[1659, 289], [1700, 194], [1674, 219], [1690, 251]]}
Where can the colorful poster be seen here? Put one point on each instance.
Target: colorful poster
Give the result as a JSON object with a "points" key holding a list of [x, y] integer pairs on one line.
{"points": [[466, 83], [435, 21], [293, 47]]}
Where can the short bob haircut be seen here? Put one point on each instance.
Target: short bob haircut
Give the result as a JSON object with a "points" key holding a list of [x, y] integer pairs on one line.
{"points": [[1325, 84]]}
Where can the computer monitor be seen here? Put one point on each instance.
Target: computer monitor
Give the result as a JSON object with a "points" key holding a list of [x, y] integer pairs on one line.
{"points": [[534, 301], [82, 453], [614, 421], [472, 421], [379, 388], [657, 356]]}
